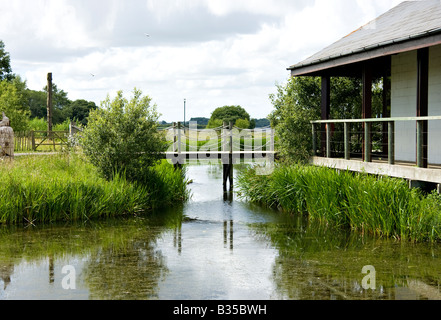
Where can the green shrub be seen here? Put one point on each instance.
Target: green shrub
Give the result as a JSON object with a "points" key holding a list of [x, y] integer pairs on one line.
{"points": [[122, 137], [43, 189]]}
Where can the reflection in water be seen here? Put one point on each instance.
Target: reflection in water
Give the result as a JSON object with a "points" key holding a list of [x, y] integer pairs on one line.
{"points": [[214, 247], [318, 263], [6, 270], [51, 269], [177, 238], [114, 259], [231, 233]]}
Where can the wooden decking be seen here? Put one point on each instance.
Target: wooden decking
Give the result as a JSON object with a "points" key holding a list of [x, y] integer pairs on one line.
{"points": [[401, 169]]}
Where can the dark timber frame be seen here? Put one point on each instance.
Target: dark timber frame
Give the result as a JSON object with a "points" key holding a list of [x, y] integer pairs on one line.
{"points": [[422, 106]]}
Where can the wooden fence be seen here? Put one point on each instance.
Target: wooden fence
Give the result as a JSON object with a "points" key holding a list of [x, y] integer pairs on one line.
{"points": [[42, 140]]}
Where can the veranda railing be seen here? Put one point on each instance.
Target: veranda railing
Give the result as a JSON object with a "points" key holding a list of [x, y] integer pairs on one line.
{"points": [[324, 132]]}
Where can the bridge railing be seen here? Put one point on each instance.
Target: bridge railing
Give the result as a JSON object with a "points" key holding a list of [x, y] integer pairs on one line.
{"points": [[216, 143], [225, 138]]}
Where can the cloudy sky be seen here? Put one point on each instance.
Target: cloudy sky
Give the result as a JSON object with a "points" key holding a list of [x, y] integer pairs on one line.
{"points": [[210, 52]]}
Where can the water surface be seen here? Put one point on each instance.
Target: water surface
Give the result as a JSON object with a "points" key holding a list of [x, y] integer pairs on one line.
{"points": [[214, 247]]}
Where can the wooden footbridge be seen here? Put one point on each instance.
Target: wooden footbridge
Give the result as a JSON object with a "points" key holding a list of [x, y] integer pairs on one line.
{"points": [[226, 144]]}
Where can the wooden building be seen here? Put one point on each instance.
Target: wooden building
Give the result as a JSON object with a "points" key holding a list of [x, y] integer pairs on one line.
{"points": [[403, 47]]}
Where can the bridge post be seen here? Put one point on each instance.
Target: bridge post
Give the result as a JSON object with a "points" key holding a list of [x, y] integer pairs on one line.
{"points": [[179, 138], [227, 137], [230, 173], [178, 164], [273, 140], [175, 140]]}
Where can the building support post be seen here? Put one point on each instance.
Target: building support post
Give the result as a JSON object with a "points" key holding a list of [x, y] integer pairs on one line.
{"points": [[325, 110], [367, 111], [422, 107], [386, 105]]}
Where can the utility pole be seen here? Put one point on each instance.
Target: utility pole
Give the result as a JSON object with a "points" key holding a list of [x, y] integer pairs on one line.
{"points": [[185, 101], [49, 102]]}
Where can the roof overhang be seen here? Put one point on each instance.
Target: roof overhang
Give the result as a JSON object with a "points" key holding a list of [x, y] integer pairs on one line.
{"points": [[351, 64]]}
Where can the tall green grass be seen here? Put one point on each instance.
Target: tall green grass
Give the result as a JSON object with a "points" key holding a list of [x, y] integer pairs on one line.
{"points": [[65, 187], [381, 206]]}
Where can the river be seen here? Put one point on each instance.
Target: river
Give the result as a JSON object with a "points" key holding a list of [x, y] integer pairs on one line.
{"points": [[215, 247]]}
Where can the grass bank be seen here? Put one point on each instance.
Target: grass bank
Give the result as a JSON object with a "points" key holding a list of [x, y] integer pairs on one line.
{"points": [[41, 189], [381, 206]]}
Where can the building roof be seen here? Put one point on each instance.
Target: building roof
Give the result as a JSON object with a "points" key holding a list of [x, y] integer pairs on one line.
{"points": [[408, 26]]}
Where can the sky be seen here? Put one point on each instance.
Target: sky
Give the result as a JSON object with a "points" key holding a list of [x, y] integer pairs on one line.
{"points": [[211, 53]]}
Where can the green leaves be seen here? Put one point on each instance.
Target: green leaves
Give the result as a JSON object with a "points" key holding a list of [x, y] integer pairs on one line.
{"points": [[227, 114], [122, 136], [296, 104], [49, 188], [5, 63], [13, 103]]}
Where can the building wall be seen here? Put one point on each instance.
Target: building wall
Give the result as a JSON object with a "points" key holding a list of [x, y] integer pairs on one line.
{"points": [[404, 97], [404, 100], [435, 104]]}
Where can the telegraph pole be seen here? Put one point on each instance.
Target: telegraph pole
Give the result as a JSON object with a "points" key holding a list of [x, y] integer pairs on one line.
{"points": [[49, 102], [185, 101]]}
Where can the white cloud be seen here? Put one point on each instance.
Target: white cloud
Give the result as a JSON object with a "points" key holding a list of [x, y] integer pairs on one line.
{"points": [[212, 53]]}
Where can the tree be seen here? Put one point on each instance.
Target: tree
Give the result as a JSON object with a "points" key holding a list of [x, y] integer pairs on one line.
{"points": [[122, 137], [79, 111], [242, 123], [5, 64], [298, 102], [14, 104], [37, 101], [259, 123], [227, 114]]}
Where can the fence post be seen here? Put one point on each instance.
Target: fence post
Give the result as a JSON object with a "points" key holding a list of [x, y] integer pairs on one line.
{"points": [[391, 142], [328, 140], [367, 142], [314, 140], [273, 140], [347, 134], [33, 140], [420, 143]]}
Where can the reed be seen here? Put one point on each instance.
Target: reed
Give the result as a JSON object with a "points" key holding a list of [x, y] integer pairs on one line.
{"points": [[40, 189], [381, 206]]}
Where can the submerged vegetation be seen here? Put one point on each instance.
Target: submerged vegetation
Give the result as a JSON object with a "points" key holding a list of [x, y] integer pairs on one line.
{"points": [[380, 206], [44, 189]]}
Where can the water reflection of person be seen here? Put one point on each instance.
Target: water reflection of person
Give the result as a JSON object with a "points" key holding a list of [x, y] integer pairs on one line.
{"points": [[5, 274]]}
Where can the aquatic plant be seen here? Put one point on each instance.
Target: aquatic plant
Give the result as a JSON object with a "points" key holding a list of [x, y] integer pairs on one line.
{"points": [[377, 205], [40, 189]]}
